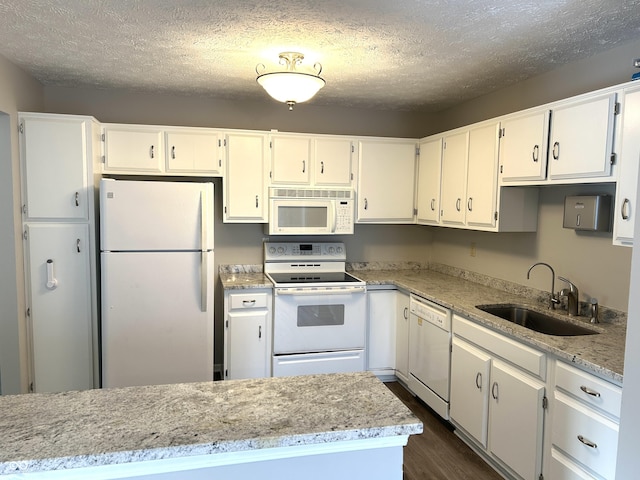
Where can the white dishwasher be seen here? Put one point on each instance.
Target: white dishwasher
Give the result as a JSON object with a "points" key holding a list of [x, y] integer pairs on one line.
{"points": [[430, 353]]}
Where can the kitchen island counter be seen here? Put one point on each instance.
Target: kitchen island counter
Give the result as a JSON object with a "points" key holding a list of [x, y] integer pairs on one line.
{"points": [[151, 430]]}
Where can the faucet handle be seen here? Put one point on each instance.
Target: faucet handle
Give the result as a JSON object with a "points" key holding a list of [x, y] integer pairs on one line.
{"points": [[572, 286]]}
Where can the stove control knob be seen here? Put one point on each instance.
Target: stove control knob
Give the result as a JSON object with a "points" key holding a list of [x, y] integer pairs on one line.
{"points": [[332, 250], [340, 249], [272, 250], [280, 250]]}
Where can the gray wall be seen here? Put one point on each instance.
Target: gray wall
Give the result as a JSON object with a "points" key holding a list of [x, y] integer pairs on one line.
{"points": [[18, 91]]}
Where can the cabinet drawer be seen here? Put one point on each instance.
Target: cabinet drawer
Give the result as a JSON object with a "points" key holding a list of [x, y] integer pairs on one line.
{"points": [[248, 300], [525, 357], [561, 468], [571, 421], [603, 395]]}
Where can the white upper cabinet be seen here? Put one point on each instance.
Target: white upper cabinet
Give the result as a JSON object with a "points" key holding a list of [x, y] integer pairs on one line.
{"points": [[245, 180], [54, 163], [156, 150], [324, 161], [454, 178], [626, 192], [523, 147], [290, 159], [386, 177], [429, 167], [194, 151], [332, 162], [581, 138], [482, 176], [133, 148]]}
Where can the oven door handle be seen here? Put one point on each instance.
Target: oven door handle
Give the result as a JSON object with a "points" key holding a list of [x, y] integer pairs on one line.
{"points": [[334, 214], [312, 291]]}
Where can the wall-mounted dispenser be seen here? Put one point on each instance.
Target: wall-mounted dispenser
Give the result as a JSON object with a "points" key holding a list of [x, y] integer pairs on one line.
{"points": [[588, 212]]}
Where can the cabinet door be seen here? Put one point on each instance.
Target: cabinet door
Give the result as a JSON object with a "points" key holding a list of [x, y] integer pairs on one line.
{"points": [[581, 140], [515, 420], [54, 161], [429, 165], [386, 175], [482, 176], [470, 381], [247, 346], [626, 190], [245, 191], [332, 162], [194, 152], [381, 344], [290, 160], [523, 147], [59, 283], [454, 178], [402, 335], [133, 148]]}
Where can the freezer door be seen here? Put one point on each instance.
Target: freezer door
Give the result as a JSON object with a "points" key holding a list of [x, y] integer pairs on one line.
{"points": [[156, 328], [157, 216]]}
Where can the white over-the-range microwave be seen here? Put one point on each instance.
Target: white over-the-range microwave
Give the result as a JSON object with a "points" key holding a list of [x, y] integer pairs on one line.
{"points": [[311, 211]]}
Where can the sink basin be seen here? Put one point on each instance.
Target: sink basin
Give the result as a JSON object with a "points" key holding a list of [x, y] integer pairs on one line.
{"points": [[537, 321]]}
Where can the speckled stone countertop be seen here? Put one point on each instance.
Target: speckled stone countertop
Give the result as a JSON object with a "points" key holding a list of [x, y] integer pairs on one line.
{"points": [[43, 432], [460, 291]]}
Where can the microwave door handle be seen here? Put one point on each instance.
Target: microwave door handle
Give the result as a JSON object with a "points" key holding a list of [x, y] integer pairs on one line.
{"points": [[334, 220]]}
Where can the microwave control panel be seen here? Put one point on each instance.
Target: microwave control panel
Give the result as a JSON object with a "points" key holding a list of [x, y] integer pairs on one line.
{"points": [[344, 216]]}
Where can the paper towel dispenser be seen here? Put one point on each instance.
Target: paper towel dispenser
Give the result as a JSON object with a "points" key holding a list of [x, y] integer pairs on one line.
{"points": [[588, 212]]}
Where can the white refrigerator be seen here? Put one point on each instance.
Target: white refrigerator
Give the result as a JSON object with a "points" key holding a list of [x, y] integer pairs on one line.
{"points": [[156, 242]]}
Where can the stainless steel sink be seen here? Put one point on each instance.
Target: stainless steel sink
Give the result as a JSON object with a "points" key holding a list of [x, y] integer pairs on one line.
{"points": [[537, 321]]}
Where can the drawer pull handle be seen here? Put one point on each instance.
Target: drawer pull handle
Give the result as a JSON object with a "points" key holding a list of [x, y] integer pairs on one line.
{"points": [[588, 391], [624, 210], [259, 331], [587, 442], [248, 303], [479, 380]]}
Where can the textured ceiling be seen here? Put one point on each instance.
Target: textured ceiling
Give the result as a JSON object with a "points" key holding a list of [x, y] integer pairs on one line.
{"points": [[386, 54]]}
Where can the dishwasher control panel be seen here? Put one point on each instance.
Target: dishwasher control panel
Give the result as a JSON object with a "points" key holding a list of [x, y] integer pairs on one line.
{"points": [[430, 312]]}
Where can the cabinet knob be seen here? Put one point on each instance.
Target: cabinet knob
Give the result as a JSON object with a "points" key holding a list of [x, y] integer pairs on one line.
{"points": [[624, 210]]}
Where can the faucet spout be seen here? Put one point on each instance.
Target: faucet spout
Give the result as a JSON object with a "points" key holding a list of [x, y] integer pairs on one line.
{"points": [[553, 301]]}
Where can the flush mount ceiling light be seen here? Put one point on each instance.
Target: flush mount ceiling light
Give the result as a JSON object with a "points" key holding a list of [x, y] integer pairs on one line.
{"points": [[291, 86]]}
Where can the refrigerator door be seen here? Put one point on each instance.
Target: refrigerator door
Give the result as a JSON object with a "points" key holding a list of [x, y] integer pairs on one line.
{"points": [[157, 326], [150, 215]]}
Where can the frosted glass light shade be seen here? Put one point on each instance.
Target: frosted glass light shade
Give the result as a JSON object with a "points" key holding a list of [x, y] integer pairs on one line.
{"points": [[295, 87]]}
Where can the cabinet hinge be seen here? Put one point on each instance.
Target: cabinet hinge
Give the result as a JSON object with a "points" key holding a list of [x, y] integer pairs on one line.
{"points": [[226, 323], [226, 373], [103, 137], [415, 211], [270, 174], [352, 176], [28, 312], [612, 159], [353, 148], [24, 235], [24, 209], [545, 403], [495, 215], [616, 108], [271, 144], [501, 168], [501, 132], [444, 145], [104, 160], [417, 151], [225, 209], [220, 162], [21, 127], [31, 387]]}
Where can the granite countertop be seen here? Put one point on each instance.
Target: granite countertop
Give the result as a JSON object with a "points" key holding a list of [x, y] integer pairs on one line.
{"points": [[43, 432], [602, 354]]}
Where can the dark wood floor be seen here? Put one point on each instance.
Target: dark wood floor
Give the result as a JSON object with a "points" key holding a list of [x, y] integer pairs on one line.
{"points": [[438, 453]]}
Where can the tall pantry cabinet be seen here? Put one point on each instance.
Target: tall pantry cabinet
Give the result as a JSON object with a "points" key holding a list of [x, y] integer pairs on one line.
{"points": [[58, 154]]}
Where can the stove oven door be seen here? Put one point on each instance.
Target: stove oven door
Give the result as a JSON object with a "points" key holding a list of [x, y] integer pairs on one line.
{"points": [[314, 321]]}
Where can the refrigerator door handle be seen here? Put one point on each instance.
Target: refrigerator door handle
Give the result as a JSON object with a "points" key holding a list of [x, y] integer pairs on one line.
{"points": [[203, 280], [204, 219]]}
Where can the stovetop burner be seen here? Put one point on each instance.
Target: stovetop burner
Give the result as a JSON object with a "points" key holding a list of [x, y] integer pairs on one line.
{"points": [[312, 278]]}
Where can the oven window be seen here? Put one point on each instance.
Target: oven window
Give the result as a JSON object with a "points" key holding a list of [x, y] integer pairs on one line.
{"points": [[292, 216], [320, 315]]}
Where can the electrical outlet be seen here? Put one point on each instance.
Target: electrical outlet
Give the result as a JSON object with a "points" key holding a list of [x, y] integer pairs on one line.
{"points": [[472, 249]]}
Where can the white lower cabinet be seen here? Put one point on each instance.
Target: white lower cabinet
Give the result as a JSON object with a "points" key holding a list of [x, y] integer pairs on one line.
{"points": [[402, 336], [585, 413], [496, 399], [381, 331], [247, 334]]}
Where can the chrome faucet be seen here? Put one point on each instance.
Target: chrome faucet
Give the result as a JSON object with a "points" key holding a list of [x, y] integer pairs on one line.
{"points": [[573, 296], [553, 301]]}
